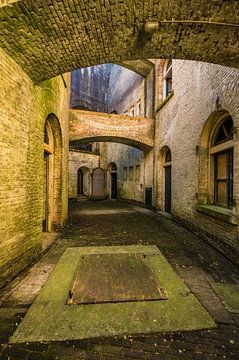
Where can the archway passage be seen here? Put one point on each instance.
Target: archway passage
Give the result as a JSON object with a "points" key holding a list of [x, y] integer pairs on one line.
{"points": [[98, 184], [200, 30]]}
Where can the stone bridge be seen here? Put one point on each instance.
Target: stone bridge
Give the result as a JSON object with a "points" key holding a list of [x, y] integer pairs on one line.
{"points": [[51, 37], [87, 126]]}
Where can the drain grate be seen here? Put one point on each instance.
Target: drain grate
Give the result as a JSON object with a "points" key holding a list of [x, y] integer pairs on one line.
{"points": [[109, 278]]}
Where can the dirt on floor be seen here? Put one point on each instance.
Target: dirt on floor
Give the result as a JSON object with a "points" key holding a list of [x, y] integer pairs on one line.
{"points": [[113, 223]]}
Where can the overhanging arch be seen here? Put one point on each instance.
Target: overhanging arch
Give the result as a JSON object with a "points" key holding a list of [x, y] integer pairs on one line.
{"points": [[50, 40], [88, 126], [113, 139]]}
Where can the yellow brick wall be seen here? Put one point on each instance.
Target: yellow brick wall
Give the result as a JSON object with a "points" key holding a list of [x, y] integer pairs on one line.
{"points": [[24, 110]]}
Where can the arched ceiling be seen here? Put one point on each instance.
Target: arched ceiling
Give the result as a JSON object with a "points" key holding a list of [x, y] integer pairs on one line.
{"points": [[50, 37]]}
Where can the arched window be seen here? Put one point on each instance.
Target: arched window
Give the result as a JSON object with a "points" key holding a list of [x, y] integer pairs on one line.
{"points": [[216, 168], [221, 152], [168, 79]]}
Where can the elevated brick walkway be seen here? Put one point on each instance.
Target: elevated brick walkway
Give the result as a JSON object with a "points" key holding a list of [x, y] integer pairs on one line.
{"points": [[92, 126]]}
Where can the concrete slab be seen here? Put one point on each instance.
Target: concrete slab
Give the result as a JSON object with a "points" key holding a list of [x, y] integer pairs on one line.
{"points": [[50, 319]]}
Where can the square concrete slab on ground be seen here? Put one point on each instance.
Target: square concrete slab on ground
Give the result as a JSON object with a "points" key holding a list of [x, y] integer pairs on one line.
{"points": [[51, 319], [114, 278]]}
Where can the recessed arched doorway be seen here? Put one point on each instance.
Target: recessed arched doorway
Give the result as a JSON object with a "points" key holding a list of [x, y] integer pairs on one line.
{"points": [[52, 176], [164, 180], [167, 181], [83, 181], [113, 180], [80, 182], [47, 177], [98, 184]]}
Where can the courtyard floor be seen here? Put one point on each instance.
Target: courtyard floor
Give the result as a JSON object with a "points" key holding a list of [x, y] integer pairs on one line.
{"points": [[208, 275]]}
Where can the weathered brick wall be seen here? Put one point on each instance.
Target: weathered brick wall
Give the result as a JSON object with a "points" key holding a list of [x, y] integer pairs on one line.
{"points": [[126, 88], [101, 127], [76, 161], [179, 124], [24, 110], [85, 33], [126, 156]]}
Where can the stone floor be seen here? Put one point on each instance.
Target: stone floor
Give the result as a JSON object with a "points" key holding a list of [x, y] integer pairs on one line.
{"points": [[112, 223]]}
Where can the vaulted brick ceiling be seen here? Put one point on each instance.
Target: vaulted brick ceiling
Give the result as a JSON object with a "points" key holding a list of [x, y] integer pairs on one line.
{"points": [[50, 37]]}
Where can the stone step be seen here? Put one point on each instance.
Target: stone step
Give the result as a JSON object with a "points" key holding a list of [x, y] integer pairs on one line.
{"points": [[82, 198]]}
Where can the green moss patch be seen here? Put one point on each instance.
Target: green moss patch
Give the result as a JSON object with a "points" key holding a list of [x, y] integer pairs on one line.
{"points": [[229, 294], [51, 319]]}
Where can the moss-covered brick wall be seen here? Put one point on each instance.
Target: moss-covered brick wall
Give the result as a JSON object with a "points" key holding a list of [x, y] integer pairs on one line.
{"points": [[24, 110]]}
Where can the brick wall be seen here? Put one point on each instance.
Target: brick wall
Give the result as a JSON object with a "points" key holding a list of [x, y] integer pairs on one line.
{"points": [[24, 110], [125, 157], [76, 161], [179, 124], [128, 88], [53, 39], [100, 127]]}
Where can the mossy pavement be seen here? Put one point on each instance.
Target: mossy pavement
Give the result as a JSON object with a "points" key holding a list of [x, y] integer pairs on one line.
{"points": [[113, 224]]}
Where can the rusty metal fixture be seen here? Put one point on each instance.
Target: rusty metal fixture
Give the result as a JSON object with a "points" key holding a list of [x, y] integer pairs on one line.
{"points": [[152, 26]]}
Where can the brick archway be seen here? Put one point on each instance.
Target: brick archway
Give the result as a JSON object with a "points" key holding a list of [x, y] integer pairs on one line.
{"points": [[87, 126], [56, 173], [48, 40]]}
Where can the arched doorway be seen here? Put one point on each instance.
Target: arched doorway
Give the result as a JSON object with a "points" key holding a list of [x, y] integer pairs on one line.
{"points": [[52, 176], [167, 181], [113, 180], [47, 178], [83, 182], [98, 184], [80, 182], [164, 180]]}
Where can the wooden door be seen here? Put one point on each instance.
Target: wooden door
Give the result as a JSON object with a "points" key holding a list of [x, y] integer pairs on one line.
{"points": [[98, 184], [168, 195]]}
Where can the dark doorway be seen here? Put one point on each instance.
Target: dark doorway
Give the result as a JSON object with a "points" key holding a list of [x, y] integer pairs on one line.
{"points": [[113, 180], [80, 182], [149, 197], [114, 185], [168, 179]]}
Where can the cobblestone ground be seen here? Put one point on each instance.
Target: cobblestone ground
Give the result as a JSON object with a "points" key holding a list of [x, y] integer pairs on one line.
{"points": [[113, 223]]}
